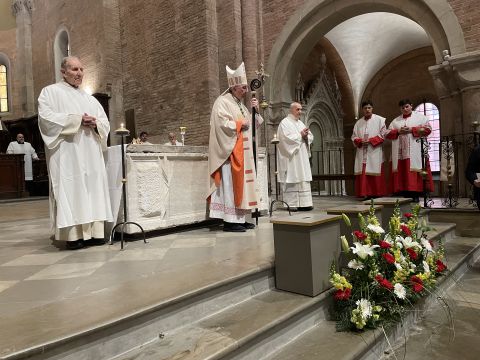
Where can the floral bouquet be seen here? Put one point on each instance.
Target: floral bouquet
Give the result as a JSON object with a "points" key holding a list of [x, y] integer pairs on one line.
{"points": [[386, 272]]}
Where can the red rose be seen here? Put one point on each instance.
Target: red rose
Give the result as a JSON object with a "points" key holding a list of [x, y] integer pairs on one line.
{"points": [[342, 294], [389, 258], [384, 245], [413, 255], [441, 266], [408, 215], [417, 287], [359, 235], [406, 230], [417, 283], [384, 282]]}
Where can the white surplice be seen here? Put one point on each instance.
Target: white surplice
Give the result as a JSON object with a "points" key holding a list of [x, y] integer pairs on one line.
{"points": [[78, 179], [371, 156], [294, 171], [27, 149]]}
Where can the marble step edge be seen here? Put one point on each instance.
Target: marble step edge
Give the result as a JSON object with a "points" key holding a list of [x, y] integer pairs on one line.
{"points": [[141, 326], [376, 342], [298, 315], [244, 348], [371, 345]]}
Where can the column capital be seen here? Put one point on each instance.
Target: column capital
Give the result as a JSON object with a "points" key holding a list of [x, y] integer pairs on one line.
{"points": [[20, 6], [457, 74]]}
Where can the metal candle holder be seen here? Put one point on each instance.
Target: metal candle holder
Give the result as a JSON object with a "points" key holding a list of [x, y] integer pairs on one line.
{"points": [[123, 132]]}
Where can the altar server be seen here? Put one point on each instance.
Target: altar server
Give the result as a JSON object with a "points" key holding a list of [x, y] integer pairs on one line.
{"points": [[404, 131], [294, 173], [368, 136], [233, 188], [75, 128]]}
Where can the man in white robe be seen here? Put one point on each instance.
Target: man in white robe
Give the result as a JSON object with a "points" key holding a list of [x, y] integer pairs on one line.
{"points": [[233, 191], [294, 173], [368, 136], [22, 147], [406, 169], [172, 140], [75, 128]]}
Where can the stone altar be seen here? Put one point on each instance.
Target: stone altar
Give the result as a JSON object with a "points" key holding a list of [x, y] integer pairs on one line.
{"points": [[167, 185]]}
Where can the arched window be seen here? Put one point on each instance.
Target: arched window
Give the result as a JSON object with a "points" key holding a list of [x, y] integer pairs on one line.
{"points": [[61, 49], [431, 112], [3, 88]]}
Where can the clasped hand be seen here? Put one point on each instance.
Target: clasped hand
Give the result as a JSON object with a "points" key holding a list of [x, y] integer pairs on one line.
{"points": [[89, 121]]}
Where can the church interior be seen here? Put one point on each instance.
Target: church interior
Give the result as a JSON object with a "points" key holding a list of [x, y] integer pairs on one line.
{"points": [[191, 291]]}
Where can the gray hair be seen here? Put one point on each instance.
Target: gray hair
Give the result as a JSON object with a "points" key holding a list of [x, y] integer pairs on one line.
{"points": [[293, 104], [65, 60]]}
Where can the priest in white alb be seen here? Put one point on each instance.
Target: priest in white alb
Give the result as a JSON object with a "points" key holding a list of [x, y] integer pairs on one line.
{"points": [[293, 160], [233, 190], [404, 131], [22, 147], [75, 128], [368, 136]]}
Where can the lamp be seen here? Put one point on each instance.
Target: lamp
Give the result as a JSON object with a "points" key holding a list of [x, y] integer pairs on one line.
{"points": [[183, 130], [123, 132]]}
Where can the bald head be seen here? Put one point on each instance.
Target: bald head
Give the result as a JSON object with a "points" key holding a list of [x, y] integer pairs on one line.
{"points": [[172, 138], [296, 110]]}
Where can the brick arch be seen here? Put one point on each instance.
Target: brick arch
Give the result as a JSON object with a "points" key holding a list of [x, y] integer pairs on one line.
{"points": [[315, 18]]}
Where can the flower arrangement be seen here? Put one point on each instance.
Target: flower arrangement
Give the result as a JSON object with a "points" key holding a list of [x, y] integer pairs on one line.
{"points": [[386, 271]]}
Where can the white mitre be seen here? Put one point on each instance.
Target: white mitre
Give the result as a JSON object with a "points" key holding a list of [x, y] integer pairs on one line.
{"points": [[236, 77]]}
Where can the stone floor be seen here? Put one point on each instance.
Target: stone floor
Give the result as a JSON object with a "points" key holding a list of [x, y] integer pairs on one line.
{"points": [[42, 286], [449, 330]]}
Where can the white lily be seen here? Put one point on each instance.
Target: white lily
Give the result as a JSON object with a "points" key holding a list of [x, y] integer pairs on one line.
{"points": [[408, 242], [426, 268], [375, 228], [355, 264], [362, 250], [400, 291], [426, 244], [398, 266]]}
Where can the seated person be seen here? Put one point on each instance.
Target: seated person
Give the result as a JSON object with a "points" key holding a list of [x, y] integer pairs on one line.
{"points": [[172, 140], [142, 140]]}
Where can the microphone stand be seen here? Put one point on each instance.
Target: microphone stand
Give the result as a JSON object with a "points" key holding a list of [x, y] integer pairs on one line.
{"points": [[254, 85]]}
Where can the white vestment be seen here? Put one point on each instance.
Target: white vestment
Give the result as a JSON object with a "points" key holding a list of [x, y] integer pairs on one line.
{"points": [[79, 197], [293, 163], [177, 143], [406, 146], [27, 149], [226, 118], [369, 155]]}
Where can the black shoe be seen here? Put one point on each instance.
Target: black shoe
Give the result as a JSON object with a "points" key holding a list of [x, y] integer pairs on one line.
{"points": [[94, 242], [74, 245], [293, 209], [305, 208], [248, 225], [415, 199], [233, 227]]}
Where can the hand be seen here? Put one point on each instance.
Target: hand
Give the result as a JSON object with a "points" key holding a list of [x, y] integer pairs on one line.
{"points": [[245, 124], [405, 130], [476, 183], [365, 142], [304, 133], [254, 103], [89, 121]]}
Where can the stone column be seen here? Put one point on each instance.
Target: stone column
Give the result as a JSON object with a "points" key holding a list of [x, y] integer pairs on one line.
{"points": [[22, 10], [457, 81]]}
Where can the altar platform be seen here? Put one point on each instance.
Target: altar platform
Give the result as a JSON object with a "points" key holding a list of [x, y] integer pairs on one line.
{"points": [[100, 302]]}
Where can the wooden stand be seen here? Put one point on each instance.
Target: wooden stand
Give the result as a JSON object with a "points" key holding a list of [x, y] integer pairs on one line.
{"points": [[12, 176]]}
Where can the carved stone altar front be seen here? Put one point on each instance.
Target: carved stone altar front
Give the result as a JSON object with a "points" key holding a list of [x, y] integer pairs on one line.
{"points": [[167, 185]]}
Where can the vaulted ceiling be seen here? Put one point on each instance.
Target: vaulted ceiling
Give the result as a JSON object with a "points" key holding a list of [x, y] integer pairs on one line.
{"points": [[368, 42]]}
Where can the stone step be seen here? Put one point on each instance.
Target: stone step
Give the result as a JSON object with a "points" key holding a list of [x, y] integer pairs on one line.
{"points": [[323, 338], [254, 328]]}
